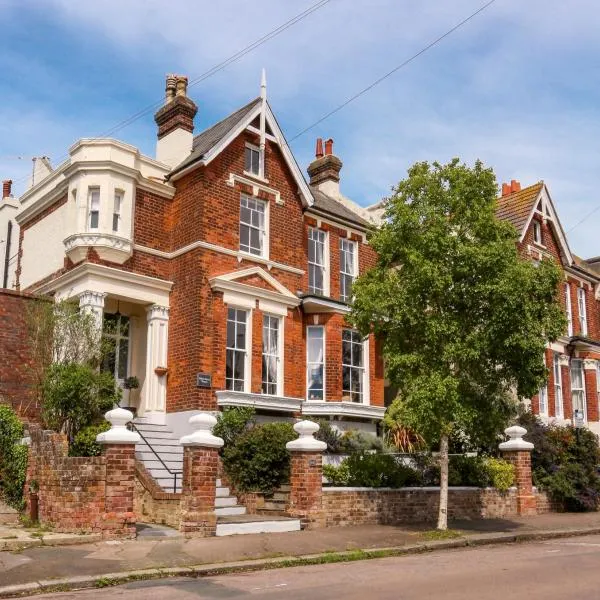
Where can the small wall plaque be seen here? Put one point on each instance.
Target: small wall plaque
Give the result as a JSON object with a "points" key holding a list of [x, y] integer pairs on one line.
{"points": [[203, 380]]}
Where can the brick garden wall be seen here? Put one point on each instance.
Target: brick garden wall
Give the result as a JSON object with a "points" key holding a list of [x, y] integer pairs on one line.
{"points": [[72, 491], [16, 378], [152, 503], [366, 506]]}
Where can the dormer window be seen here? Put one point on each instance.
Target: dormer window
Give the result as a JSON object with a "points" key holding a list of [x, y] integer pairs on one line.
{"points": [[537, 233], [94, 207], [252, 160], [117, 210]]}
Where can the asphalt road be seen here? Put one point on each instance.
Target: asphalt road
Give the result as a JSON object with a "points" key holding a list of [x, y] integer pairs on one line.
{"points": [[565, 569]]}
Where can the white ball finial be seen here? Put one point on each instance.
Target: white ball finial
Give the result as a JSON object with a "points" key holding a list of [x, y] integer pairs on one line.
{"points": [[516, 441], [118, 432], [203, 424], [306, 441]]}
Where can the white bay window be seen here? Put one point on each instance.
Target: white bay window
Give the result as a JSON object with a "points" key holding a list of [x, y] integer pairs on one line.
{"points": [[272, 365], [315, 363]]}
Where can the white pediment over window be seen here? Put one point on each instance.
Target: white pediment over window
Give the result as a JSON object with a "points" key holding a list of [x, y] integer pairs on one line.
{"points": [[245, 286]]}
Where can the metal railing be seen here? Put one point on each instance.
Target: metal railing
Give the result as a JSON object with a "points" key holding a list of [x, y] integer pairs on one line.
{"points": [[132, 427]]}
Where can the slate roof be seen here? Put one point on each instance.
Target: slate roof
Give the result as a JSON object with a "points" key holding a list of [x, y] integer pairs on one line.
{"points": [[210, 137], [517, 207], [330, 205]]}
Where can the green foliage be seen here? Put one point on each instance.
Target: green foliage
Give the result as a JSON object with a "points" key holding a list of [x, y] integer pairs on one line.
{"points": [[76, 395], [565, 463], [462, 317], [13, 458], [501, 473], [85, 444], [257, 460], [233, 422], [337, 475], [354, 441], [332, 437], [131, 383]]}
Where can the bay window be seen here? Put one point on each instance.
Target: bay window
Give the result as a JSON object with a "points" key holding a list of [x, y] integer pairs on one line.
{"points": [[353, 370], [316, 261], [118, 201], [236, 369], [94, 207], [558, 395], [348, 268], [315, 363], [578, 385], [271, 355]]}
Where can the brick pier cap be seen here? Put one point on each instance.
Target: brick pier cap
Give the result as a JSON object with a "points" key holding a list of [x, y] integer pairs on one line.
{"points": [[118, 432], [516, 443], [203, 423], [306, 441]]}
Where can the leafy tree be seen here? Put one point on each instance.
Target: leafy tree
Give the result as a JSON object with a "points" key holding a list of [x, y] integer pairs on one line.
{"points": [[464, 320]]}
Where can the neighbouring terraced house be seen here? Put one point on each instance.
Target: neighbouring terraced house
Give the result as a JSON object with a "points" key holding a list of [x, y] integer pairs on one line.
{"points": [[223, 274]]}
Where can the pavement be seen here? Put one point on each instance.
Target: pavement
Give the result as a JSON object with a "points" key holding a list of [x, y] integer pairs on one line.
{"points": [[558, 569], [45, 567]]}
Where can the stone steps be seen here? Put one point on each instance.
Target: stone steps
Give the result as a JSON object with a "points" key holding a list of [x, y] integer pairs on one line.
{"points": [[248, 524]]}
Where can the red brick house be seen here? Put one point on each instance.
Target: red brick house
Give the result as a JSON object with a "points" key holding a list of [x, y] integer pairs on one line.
{"points": [[224, 275], [573, 360]]}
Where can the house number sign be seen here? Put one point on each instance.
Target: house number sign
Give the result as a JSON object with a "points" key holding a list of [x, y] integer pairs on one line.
{"points": [[203, 380]]}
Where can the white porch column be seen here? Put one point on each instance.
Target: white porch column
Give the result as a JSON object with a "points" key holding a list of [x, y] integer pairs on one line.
{"points": [[92, 303], [154, 394]]}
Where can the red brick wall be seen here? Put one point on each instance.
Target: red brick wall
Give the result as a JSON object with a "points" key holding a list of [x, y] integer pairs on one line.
{"points": [[16, 379]]}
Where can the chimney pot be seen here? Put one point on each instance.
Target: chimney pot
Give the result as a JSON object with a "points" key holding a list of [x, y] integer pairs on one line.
{"points": [[515, 186], [171, 84], [7, 188], [506, 189], [328, 147], [319, 149], [182, 83]]}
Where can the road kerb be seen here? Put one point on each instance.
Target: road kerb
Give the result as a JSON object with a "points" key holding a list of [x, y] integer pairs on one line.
{"points": [[206, 570]]}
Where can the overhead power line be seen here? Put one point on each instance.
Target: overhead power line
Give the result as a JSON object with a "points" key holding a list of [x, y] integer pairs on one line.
{"points": [[212, 71], [394, 70], [587, 216]]}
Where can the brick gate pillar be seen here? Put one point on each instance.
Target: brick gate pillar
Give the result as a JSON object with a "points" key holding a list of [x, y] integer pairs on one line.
{"points": [[518, 452], [306, 476], [118, 448], [199, 484]]}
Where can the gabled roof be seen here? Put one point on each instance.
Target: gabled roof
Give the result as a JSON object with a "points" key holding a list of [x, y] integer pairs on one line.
{"points": [[211, 142], [518, 206], [210, 137], [334, 207]]}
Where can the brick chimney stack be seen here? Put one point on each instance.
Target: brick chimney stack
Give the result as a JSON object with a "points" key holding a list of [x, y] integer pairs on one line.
{"points": [[511, 188], [324, 171], [175, 122], [6, 188]]}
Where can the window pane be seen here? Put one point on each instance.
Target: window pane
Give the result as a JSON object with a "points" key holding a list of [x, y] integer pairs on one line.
{"points": [[94, 218], [248, 165], [123, 358]]}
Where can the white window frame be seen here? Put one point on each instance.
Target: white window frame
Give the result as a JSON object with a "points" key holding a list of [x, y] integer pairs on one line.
{"points": [[324, 398], [118, 199], [568, 309], [543, 396], [248, 348], [279, 356], [559, 407], [574, 362], [250, 172], [538, 233], [354, 245], [91, 191], [325, 266], [582, 309], [265, 233], [365, 382]]}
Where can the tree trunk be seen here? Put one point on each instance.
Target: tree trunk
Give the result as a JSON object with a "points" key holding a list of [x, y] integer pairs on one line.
{"points": [[443, 512]]}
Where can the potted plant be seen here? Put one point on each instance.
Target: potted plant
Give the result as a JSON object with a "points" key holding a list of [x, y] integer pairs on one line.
{"points": [[131, 383]]}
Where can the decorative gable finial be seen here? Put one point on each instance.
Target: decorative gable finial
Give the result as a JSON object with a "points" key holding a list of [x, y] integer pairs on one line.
{"points": [[263, 85]]}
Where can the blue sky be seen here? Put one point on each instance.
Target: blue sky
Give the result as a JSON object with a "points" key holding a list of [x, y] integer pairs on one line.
{"points": [[518, 87]]}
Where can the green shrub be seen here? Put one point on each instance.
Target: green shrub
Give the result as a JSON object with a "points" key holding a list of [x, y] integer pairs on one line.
{"points": [[13, 458], [257, 460], [501, 473], [85, 443], [332, 437], [564, 463], [76, 395], [233, 422], [355, 441], [379, 470], [337, 476], [468, 471]]}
